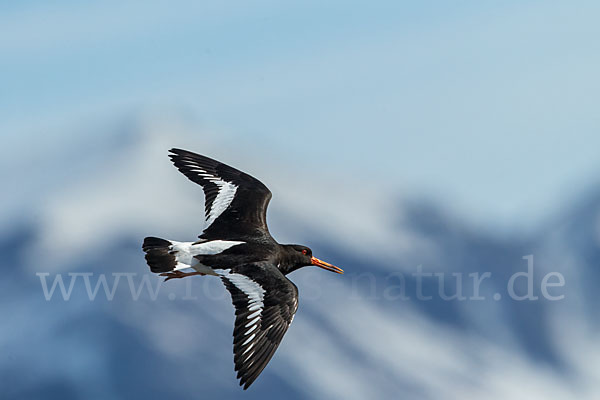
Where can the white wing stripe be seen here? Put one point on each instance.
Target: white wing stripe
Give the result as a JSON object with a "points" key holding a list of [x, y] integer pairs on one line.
{"points": [[248, 349], [255, 320], [225, 194], [255, 294], [249, 355], [222, 201], [249, 339], [250, 330]]}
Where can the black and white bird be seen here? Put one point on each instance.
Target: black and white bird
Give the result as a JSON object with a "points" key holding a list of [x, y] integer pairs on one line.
{"points": [[237, 247]]}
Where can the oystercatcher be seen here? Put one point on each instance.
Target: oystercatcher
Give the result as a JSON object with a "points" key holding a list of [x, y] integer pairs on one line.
{"points": [[237, 247]]}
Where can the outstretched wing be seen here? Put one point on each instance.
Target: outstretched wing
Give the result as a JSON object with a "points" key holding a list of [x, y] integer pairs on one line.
{"points": [[265, 303], [236, 203]]}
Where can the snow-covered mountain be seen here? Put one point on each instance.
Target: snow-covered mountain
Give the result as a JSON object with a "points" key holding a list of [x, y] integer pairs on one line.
{"points": [[81, 211]]}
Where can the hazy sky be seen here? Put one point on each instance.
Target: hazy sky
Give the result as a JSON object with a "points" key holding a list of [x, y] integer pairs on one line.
{"points": [[491, 107]]}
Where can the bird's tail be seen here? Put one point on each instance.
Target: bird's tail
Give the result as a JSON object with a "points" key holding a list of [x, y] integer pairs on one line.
{"points": [[159, 255]]}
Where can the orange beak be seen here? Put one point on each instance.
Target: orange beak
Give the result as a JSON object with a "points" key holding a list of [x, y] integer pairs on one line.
{"points": [[325, 265]]}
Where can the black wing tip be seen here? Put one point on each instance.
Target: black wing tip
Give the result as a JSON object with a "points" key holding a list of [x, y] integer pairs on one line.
{"points": [[245, 383], [181, 155], [177, 153], [178, 156], [182, 152]]}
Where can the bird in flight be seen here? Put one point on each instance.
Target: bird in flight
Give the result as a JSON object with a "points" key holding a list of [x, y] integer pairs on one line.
{"points": [[236, 246]]}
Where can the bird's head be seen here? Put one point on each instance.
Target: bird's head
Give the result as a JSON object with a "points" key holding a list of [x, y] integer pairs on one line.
{"points": [[298, 256]]}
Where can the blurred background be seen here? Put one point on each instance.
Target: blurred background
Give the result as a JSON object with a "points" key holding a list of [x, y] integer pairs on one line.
{"points": [[446, 137]]}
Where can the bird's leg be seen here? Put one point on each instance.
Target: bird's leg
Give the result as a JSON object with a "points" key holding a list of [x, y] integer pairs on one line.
{"points": [[178, 274]]}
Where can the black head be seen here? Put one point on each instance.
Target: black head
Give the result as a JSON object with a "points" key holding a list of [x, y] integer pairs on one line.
{"points": [[297, 256]]}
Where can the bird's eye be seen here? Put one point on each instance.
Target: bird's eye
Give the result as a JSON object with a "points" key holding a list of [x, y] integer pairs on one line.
{"points": [[303, 251]]}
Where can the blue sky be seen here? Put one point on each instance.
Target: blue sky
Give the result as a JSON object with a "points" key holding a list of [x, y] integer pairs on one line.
{"points": [[489, 106]]}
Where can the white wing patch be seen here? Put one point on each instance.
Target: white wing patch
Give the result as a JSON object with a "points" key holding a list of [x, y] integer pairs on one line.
{"points": [[224, 196], [185, 251], [255, 294]]}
